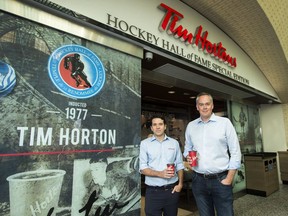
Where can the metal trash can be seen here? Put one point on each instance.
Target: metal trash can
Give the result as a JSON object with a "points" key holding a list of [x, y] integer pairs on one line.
{"points": [[261, 173], [283, 161]]}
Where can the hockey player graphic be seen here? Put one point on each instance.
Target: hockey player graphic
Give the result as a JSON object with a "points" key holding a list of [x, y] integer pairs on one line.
{"points": [[76, 66]]}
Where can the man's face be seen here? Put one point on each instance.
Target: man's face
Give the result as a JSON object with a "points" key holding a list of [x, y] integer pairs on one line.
{"points": [[205, 107], [98, 172], [158, 127]]}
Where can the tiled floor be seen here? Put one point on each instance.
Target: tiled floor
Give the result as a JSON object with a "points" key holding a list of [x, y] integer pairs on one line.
{"points": [[275, 204]]}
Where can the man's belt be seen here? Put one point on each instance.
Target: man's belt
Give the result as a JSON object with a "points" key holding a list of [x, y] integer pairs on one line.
{"points": [[212, 175], [164, 187]]}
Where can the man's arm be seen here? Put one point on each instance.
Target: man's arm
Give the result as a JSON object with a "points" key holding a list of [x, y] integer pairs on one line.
{"points": [[178, 187], [229, 178], [161, 174]]}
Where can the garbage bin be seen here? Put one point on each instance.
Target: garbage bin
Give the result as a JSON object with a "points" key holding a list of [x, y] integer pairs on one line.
{"points": [[261, 173], [283, 161]]}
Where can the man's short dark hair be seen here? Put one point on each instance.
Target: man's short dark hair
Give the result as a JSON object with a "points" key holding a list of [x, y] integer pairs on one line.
{"points": [[160, 117], [203, 93]]}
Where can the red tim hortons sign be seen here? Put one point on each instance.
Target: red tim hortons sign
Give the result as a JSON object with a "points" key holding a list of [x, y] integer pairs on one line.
{"points": [[170, 24]]}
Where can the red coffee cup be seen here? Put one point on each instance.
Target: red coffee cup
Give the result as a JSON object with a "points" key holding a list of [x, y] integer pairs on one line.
{"points": [[171, 166], [193, 156]]}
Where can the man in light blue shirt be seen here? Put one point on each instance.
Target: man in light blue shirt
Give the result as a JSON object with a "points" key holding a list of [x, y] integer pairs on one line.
{"points": [[219, 156], [163, 185]]}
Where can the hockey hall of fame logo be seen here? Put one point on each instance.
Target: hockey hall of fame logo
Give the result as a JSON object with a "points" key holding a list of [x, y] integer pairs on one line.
{"points": [[76, 71]]}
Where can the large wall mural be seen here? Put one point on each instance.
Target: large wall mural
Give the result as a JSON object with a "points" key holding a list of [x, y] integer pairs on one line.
{"points": [[70, 124], [246, 121]]}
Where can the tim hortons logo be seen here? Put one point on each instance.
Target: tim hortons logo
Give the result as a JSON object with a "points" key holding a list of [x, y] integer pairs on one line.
{"points": [[170, 24]]}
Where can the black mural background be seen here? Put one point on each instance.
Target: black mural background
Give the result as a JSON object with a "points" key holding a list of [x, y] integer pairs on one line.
{"points": [[36, 103]]}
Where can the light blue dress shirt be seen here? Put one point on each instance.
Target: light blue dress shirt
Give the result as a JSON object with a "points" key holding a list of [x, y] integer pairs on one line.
{"points": [[212, 140], [156, 155]]}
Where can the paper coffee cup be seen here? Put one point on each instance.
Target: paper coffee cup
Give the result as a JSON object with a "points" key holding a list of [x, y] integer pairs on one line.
{"points": [[171, 166], [193, 156], [35, 193]]}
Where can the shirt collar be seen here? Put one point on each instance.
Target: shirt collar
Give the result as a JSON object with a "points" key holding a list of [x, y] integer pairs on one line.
{"points": [[153, 138], [212, 118]]}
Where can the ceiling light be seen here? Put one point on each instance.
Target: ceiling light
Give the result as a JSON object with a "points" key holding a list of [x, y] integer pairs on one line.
{"points": [[171, 92]]}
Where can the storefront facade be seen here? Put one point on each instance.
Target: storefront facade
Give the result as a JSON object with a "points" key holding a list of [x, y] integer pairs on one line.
{"points": [[72, 101]]}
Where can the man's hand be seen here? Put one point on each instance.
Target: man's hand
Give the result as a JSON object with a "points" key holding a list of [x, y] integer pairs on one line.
{"points": [[226, 181], [177, 188], [189, 159], [168, 173], [229, 178]]}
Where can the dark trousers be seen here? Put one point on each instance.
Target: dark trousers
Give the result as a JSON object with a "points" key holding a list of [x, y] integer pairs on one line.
{"points": [[210, 195], [161, 201]]}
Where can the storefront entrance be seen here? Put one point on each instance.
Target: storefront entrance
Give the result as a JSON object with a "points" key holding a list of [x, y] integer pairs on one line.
{"points": [[179, 108]]}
